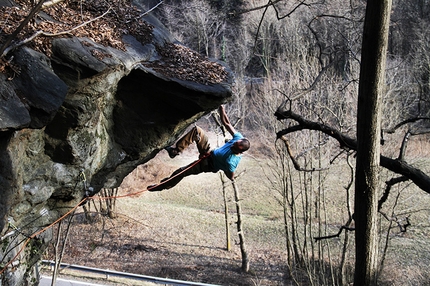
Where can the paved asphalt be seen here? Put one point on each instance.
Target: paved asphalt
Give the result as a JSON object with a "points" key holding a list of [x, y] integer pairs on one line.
{"points": [[46, 281]]}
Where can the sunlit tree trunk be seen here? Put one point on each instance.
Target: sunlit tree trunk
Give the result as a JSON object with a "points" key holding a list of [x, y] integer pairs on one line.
{"points": [[371, 87], [224, 181], [243, 251]]}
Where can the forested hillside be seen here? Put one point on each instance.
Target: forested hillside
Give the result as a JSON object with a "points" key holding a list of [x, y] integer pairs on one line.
{"points": [[308, 51], [302, 60]]}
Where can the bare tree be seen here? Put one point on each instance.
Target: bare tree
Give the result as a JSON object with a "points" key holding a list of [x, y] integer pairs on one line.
{"points": [[237, 199], [62, 237], [371, 87], [224, 181], [240, 231]]}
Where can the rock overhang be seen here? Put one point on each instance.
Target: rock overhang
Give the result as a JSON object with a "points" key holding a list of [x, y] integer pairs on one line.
{"points": [[88, 106]]}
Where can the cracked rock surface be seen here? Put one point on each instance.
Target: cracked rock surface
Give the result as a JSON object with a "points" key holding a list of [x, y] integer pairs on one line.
{"points": [[87, 111]]}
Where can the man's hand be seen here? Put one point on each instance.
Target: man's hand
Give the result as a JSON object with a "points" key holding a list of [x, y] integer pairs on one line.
{"points": [[204, 155]]}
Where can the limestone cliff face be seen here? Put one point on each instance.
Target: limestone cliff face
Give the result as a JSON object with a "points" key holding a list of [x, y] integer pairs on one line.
{"points": [[85, 112]]}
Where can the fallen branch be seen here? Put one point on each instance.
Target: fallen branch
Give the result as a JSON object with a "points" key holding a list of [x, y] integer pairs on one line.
{"points": [[15, 33]]}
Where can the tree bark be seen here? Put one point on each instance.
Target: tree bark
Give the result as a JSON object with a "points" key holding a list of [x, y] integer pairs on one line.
{"points": [[371, 87], [244, 252], [226, 211]]}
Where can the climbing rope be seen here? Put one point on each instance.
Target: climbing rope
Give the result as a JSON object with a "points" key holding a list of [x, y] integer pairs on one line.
{"points": [[39, 232], [82, 202]]}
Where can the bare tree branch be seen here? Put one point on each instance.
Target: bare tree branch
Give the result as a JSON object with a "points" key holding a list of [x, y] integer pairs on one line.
{"points": [[289, 13], [15, 33], [402, 226], [304, 124], [404, 144], [266, 7], [417, 176], [147, 12], [295, 162], [390, 184], [345, 227], [410, 120], [270, 3]]}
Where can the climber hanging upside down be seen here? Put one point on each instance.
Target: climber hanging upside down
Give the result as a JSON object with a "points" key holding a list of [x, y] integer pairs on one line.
{"points": [[225, 158]]}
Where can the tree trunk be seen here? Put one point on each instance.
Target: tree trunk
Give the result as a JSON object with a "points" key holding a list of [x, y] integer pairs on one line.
{"points": [[60, 254], [244, 252], [371, 86], [226, 211]]}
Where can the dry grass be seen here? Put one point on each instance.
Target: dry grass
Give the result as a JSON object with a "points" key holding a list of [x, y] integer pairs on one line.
{"points": [[180, 233]]}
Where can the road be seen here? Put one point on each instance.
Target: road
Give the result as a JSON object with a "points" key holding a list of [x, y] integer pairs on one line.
{"points": [[46, 281], [147, 280]]}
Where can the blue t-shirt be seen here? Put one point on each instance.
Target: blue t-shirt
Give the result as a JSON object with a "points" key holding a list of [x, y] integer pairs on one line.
{"points": [[223, 158]]}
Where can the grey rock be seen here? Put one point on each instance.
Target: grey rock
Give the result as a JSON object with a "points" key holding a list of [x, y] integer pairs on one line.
{"points": [[76, 121]]}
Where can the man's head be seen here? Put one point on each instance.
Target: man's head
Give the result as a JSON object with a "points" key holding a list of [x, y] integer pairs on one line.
{"points": [[240, 146]]}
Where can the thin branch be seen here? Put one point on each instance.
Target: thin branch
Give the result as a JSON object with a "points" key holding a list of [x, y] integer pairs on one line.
{"points": [[337, 156], [345, 227], [315, 82], [404, 122], [404, 144], [146, 13], [259, 25], [390, 184], [270, 3], [307, 150], [293, 159], [289, 13], [15, 33], [402, 226], [266, 7]]}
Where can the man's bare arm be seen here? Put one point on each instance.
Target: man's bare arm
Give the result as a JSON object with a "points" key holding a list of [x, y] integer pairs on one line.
{"points": [[225, 121]]}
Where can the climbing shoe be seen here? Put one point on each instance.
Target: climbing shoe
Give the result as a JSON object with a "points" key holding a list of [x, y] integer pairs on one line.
{"points": [[173, 152], [153, 188]]}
